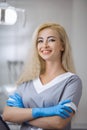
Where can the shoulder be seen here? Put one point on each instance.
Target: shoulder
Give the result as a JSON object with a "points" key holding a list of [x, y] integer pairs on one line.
{"points": [[25, 84], [74, 84], [73, 89], [23, 87], [74, 78]]}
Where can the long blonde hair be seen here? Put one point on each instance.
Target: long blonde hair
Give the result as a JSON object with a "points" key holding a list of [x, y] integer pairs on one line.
{"points": [[36, 65]]}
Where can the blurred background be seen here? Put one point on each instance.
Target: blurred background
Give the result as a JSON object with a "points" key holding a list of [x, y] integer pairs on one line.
{"points": [[16, 35]]}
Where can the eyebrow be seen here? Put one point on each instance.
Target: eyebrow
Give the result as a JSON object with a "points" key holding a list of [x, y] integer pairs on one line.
{"points": [[47, 37]]}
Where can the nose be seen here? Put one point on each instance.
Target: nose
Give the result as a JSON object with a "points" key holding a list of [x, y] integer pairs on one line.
{"points": [[46, 43]]}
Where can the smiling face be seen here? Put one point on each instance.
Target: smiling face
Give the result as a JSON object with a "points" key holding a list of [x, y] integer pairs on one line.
{"points": [[49, 45]]}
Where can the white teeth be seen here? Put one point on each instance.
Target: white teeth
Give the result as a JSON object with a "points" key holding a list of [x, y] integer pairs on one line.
{"points": [[46, 51]]}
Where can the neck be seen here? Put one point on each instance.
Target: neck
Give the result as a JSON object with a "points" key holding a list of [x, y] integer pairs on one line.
{"points": [[54, 68]]}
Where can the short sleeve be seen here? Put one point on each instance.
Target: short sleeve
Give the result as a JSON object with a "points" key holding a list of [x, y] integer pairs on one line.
{"points": [[20, 89], [73, 90]]}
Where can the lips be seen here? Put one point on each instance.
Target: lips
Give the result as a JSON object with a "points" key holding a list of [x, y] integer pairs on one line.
{"points": [[46, 51]]}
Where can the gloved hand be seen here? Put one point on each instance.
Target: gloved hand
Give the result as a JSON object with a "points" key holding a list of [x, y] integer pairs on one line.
{"points": [[15, 101], [58, 110]]}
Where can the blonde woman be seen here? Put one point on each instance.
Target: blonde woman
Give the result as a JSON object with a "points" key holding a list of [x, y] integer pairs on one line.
{"points": [[48, 91]]}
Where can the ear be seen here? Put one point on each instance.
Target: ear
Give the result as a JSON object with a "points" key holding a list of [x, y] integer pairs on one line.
{"points": [[62, 48]]}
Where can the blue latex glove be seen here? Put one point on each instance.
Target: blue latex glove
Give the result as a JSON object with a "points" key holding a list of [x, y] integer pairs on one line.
{"points": [[58, 110], [15, 101]]}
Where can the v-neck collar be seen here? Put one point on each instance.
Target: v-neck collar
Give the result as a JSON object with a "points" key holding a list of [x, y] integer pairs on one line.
{"points": [[39, 87]]}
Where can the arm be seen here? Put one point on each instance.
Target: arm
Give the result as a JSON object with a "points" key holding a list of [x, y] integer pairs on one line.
{"points": [[17, 115], [54, 122], [15, 111]]}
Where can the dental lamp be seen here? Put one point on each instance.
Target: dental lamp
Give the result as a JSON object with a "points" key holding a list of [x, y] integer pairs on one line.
{"points": [[8, 14]]}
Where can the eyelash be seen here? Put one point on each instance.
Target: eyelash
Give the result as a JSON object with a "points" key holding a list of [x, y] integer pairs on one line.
{"points": [[39, 41], [52, 40], [49, 40]]}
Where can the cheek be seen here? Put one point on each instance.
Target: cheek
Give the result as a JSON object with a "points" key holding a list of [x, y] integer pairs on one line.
{"points": [[38, 50], [38, 47], [59, 48]]}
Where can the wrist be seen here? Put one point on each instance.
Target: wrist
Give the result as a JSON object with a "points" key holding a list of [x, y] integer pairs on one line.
{"points": [[42, 112], [36, 112]]}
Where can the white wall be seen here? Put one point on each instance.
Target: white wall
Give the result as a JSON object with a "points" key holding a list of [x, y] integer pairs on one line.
{"points": [[15, 40], [79, 41]]}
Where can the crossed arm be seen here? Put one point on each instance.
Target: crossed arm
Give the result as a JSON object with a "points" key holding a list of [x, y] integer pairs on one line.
{"points": [[53, 122], [56, 117], [20, 115]]}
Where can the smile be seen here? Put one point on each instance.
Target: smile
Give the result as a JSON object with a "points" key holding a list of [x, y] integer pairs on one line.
{"points": [[46, 51]]}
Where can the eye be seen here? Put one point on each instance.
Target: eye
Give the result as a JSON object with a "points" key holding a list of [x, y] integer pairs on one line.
{"points": [[51, 40], [40, 41]]}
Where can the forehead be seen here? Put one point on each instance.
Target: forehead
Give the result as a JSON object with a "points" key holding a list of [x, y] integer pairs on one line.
{"points": [[48, 32]]}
